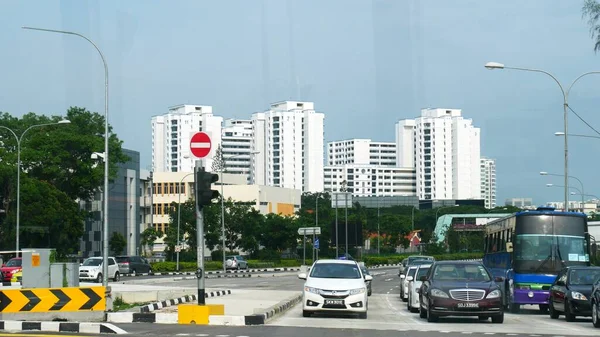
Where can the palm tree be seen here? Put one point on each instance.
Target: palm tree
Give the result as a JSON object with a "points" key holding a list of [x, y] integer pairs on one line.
{"points": [[591, 10]]}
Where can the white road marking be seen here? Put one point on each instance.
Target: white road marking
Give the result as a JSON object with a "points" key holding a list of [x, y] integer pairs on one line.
{"points": [[183, 334], [202, 335], [489, 333], [388, 279]]}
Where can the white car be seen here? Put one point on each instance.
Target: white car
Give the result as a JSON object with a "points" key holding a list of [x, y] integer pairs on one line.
{"points": [[91, 269], [410, 273], [335, 286], [414, 283]]}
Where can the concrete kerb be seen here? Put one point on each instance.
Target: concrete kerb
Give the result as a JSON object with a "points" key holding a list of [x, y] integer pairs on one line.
{"points": [[186, 299], [91, 328], [272, 312], [217, 272]]}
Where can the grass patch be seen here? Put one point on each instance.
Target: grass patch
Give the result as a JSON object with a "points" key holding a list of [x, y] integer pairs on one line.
{"points": [[120, 305]]}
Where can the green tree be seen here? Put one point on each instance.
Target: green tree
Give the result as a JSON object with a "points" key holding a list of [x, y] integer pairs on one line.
{"points": [[279, 233], [148, 237], [59, 156], [117, 243], [591, 10], [218, 163]]}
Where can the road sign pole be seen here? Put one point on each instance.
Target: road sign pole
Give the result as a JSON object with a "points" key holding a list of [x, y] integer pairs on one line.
{"points": [[313, 250], [337, 241], [346, 209], [200, 245], [304, 248]]}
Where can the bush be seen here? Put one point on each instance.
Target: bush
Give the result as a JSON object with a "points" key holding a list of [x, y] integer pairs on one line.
{"points": [[395, 259]]}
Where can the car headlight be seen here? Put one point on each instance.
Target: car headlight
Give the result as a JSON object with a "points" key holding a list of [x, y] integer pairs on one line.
{"points": [[312, 290], [357, 291], [438, 293], [494, 294], [578, 296]]}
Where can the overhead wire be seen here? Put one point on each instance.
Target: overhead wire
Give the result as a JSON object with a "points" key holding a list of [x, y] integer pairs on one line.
{"points": [[583, 120]]}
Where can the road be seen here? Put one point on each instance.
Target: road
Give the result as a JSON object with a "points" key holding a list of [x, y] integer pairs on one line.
{"points": [[388, 316]]}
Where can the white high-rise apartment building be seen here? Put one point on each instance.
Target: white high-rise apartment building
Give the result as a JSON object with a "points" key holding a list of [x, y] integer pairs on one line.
{"points": [[171, 135], [288, 139], [488, 182], [361, 151], [370, 180], [236, 142], [446, 154]]}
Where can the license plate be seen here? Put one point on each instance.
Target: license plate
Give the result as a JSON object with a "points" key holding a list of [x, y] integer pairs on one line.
{"points": [[468, 305], [334, 302]]}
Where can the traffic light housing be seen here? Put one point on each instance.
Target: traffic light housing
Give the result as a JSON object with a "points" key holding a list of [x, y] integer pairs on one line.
{"points": [[204, 193]]}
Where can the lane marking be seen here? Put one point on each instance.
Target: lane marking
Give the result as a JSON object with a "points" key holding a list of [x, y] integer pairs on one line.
{"points": [[388, 279], [182, 334]]}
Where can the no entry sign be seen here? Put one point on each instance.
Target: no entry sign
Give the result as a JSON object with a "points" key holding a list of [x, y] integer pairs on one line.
{"points": [[200, 144]]}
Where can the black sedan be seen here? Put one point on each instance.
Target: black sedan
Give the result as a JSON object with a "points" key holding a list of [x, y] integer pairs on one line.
{"points": [[366, 272], [595, 300], [460, 288], [570, 292]]}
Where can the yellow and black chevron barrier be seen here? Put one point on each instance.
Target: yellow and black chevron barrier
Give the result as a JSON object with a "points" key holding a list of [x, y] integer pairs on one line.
{"points": [[52, 299]]}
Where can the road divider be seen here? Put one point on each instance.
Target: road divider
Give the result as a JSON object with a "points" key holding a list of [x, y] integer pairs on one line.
{"points": [[217, 272], [186, 299], [91, 328]]}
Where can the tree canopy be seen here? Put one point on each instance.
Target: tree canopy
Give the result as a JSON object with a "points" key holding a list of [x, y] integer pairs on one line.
{"points": [[57, 171]]}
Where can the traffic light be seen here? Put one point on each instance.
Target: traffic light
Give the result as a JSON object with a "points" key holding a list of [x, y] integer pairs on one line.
{"points": [[204, 194]]}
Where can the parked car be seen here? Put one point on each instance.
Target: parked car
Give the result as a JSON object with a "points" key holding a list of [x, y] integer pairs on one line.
{"points": [[571, 291], [17, 277], [595, 301], [460, 288], [133, 265], [414, 284], [365, 271], [235, 262], [335, 286], [91, 269], [9, 268]]}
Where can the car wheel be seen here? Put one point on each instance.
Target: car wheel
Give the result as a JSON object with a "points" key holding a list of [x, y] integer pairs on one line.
{"points": [[569, 317], [133, 272], [422, 312], [306, 313], [595, 315], [362, 315], [150, 271], [431, 318], [99, 278], [553, 313], [117, 277], [498, 319], [514, 307], [408, 303]]}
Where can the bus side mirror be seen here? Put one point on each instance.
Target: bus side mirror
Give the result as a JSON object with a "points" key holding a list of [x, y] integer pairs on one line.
{"points": [[509, 247]]}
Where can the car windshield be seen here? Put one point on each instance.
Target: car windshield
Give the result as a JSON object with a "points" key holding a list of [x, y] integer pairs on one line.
{"points": [[422, 272], [14, 263], [365, 271], [335, 270], [584, 276], [92, 262], [467, 272], [411, 272]]}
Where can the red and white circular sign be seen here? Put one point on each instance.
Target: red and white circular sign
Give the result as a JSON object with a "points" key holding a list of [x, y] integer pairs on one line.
{"points": [[200, 144]]}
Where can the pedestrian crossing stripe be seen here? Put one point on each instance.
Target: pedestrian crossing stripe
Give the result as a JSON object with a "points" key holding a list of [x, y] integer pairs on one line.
{"points": [[52, 299]]}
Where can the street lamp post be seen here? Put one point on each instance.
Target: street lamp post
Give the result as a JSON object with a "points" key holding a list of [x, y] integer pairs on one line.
{"points": [[496, 65], [544, 173], [179, 216], [19, 141], [575, 135], [106, 164], [571, 187], [223, 204], [588, 195]]}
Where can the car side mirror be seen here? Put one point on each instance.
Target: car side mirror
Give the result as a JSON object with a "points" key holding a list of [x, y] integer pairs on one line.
{"points": [[509, 247], [409, 278], [423, 278], [81, 264], [302, 276], [499, 279], [368, 278], [402, 276]]}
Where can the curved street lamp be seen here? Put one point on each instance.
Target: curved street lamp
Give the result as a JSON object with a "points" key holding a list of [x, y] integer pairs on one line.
{"points": [[496, 65]]}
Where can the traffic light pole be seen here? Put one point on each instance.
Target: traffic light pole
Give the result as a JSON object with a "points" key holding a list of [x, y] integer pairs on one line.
{"points": [[200, 241]]}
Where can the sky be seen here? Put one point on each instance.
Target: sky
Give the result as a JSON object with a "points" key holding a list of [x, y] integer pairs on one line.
{"points": [[365, 64]]}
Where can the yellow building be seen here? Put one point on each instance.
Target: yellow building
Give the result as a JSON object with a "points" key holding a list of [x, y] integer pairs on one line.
{"points": [[169, 187]]}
